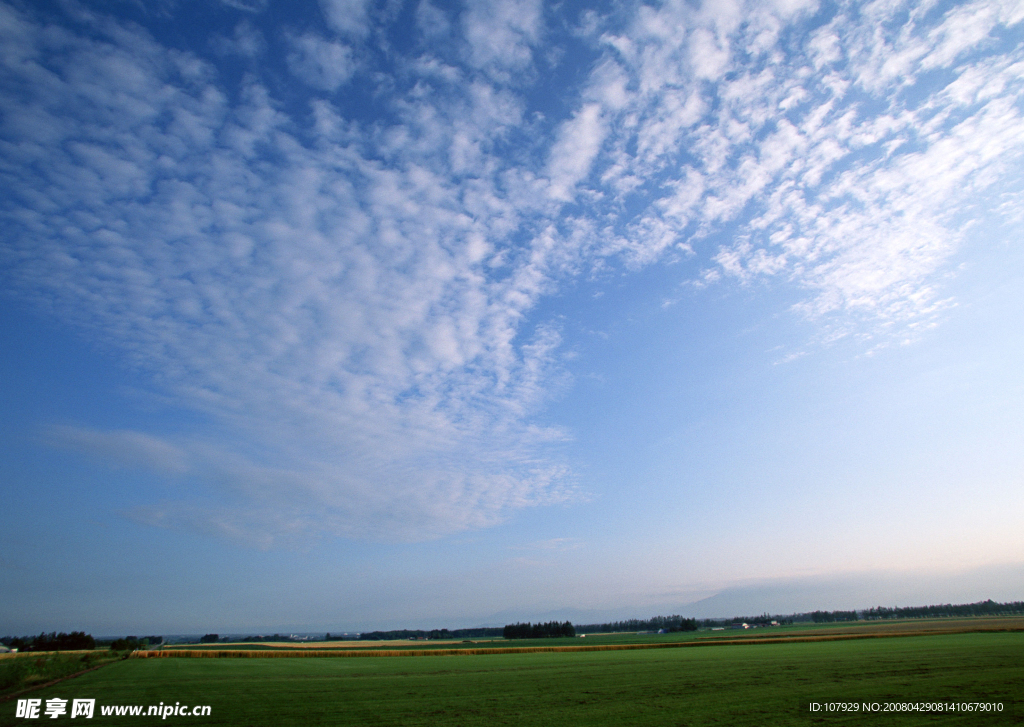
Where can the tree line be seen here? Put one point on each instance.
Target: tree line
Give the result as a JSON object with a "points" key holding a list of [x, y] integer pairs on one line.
{"points": [[551, 629], [657, 623], [131, 643], [75, 641], [262, 639], [446, 634], [982, 608], [821, 617]]}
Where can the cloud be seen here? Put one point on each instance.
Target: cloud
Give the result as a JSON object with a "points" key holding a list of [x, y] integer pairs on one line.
{"points": [[320, 63], [246, 42], [335, 312], [354, 302], [707, 57], [249, 6], [347, 17], [579, 141], [124, 448], [432, 20], [501, 35], [856, 199]]}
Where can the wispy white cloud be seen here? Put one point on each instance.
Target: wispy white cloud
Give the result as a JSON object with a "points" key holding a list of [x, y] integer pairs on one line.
{"points": [[347, 17], [501, 36], [579, 141], [246, 41], [353, 302], [432, 20], [336, 309], [124, 448], [249, 6], [853, 197], [320, 63]]}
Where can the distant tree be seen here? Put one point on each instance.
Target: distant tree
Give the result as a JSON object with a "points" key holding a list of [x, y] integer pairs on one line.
{"points": [[393, 635], [658, 623], [982, 608], [551, 629], [129, 643], [75, 641], [210, 639], [434, 634]]}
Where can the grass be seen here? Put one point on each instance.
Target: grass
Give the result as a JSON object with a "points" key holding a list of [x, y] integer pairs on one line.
{"points": [[23, 671], [759, 684]]}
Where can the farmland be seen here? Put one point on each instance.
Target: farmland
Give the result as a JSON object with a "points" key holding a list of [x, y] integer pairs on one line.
{"points": [[800, 632], [766, 681]]}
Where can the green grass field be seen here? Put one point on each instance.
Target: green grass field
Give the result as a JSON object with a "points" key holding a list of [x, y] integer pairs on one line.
{"points": [[764, 684], [22, 671]]}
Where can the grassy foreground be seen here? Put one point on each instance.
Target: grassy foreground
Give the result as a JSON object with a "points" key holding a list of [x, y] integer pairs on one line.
{"points": [[23, 671], [764, 684]]}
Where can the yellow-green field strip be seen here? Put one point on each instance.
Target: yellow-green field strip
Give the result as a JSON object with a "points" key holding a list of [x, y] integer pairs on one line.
{"points": [[297, 653]]}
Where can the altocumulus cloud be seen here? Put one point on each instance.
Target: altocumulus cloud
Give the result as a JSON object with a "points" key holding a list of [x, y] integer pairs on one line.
{"points": [[353, 300]]}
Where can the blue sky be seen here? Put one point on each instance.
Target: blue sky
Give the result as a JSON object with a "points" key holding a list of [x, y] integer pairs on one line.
{"points": [[352, 314]]}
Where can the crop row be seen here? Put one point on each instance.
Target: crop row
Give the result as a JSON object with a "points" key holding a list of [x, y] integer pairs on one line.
{"points": [[282, 653]]}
